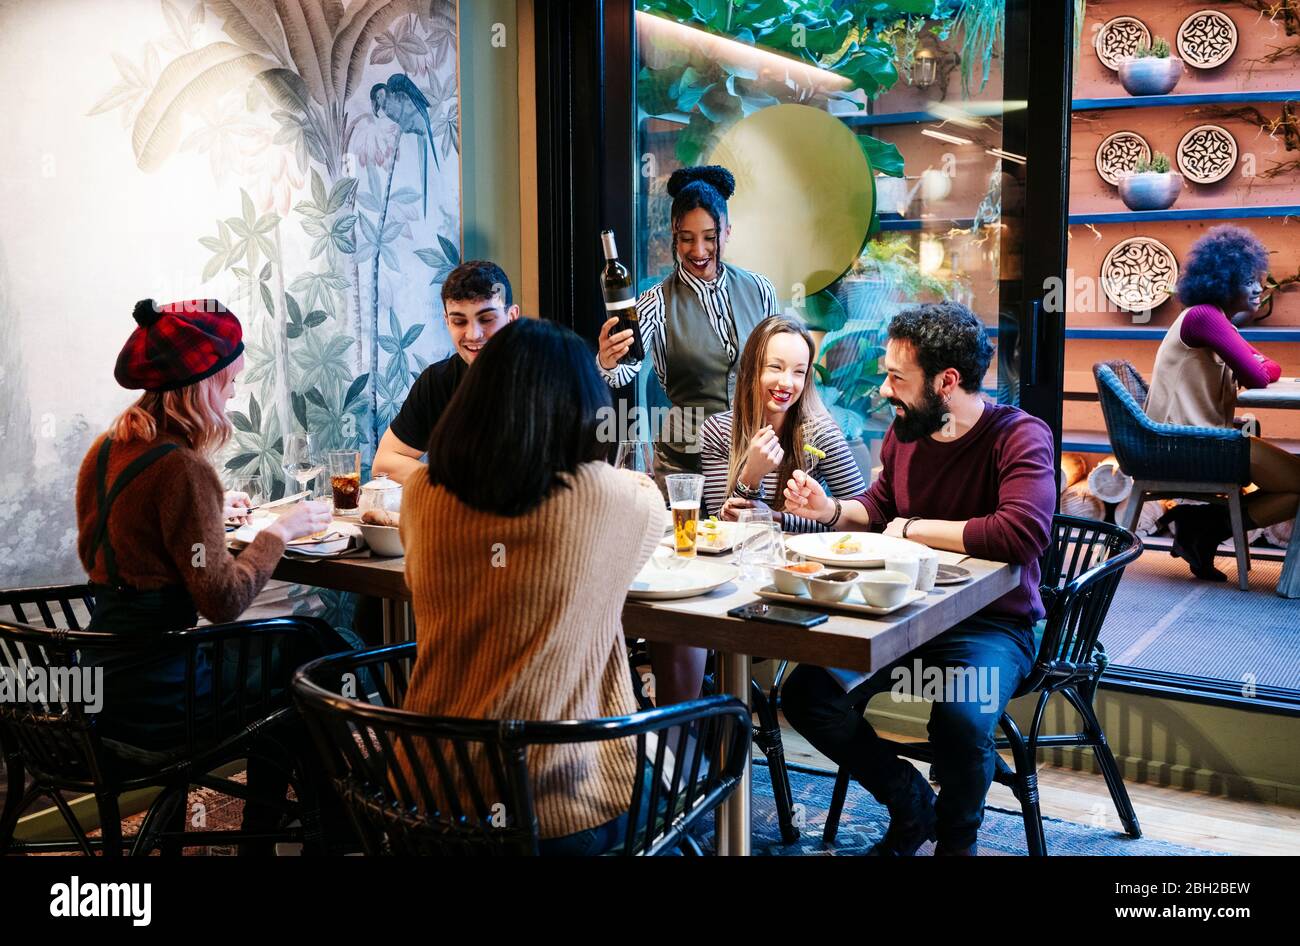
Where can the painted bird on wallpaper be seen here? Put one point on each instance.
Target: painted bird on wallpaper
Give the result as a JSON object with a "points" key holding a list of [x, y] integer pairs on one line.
{"points": [[405, 105]]}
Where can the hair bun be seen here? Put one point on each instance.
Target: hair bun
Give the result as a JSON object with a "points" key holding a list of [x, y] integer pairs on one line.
{"points": [[715, 175], [146, 313]]}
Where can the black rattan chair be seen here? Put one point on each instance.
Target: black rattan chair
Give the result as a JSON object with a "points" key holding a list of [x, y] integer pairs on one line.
{"points": [[472, 795], [766, 731], [1080, 570], [53, 746]]}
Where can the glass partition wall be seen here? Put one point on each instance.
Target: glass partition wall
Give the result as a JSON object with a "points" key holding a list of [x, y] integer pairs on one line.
{"points": [[1227, 125], [936, 93]]}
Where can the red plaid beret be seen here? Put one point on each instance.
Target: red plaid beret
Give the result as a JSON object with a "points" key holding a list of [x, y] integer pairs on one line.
{"points": [[178, 344]]}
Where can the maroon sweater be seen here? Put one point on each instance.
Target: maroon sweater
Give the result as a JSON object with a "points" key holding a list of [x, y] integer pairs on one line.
{"points": [[999, 476]]}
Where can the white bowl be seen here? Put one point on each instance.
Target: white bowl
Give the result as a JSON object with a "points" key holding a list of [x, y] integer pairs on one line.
{"points": [[792, 583], [823, 589], [383, 540], [886, 589]]}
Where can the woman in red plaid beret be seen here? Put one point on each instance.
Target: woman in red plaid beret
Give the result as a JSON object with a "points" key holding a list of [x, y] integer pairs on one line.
{"points": [[151, 522]]}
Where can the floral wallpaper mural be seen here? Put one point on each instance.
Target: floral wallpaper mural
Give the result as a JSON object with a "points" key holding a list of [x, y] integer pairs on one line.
{"points": [[297, 159]]}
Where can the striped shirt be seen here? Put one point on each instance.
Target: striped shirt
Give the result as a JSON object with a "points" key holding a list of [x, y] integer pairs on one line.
{"points": [[838, 473], [716, 302]]}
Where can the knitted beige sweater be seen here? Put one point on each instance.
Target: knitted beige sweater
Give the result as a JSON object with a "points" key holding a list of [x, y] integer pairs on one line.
{"points": [[521, 618]]}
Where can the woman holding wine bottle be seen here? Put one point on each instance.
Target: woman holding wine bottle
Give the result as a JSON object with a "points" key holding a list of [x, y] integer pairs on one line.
{"points": [[694, 325]]}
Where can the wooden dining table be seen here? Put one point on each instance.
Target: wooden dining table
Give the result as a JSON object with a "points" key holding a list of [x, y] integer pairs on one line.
{"points": [[1284, 393], [849, 641]]}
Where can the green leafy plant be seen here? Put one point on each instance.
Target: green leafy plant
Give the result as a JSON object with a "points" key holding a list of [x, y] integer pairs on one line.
{"points": [[1158, 164], [715, 94], [1156, 50], [850, 373], [894, 262]]}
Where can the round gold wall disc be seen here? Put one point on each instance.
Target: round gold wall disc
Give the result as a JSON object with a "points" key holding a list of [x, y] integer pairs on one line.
{"points": [[804, 196]]}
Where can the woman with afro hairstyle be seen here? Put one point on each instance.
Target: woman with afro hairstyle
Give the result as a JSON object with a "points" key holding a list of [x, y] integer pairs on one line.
{"points": [[1201, 362], [694, 325]]}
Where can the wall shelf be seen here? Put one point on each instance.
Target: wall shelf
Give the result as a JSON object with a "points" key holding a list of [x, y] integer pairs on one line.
{"points": [[1098, 441], [971, 109], [1188, 213], [1201, 98], [1157, 332], [1111, 217], [861, 120], [913, 224]]}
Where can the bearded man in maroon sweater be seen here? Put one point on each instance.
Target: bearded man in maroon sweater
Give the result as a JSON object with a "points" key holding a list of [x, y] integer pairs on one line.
{"points": [[963, 474]]}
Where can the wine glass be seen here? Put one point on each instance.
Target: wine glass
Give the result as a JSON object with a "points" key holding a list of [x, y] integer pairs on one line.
{"points": [[635, 455], [302, 460]]}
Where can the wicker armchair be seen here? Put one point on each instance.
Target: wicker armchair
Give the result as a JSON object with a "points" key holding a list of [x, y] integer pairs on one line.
{"points": [[1169, 461]]}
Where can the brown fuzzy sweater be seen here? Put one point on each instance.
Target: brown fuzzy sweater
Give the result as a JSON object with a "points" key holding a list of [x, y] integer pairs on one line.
{"points": [[166, 528], [521, 618]]}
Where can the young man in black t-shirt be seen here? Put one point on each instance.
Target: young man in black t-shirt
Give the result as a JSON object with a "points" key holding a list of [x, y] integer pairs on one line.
{"points": [[477, 301]]}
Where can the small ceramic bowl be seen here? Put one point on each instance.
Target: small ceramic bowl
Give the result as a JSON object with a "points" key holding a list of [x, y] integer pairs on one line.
{"points": [[383, 540], [832, 586], [886, 589], [793, 579]]}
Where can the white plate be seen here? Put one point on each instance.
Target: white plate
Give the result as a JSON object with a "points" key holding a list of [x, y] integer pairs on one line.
{"points": [[875, 547], [248, 532], [322, 549], [854, 603], [694, 578], [729, 533]]}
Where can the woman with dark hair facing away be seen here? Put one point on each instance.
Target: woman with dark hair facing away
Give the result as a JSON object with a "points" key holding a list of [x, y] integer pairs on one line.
{"points": [[694, 325], [151, 534], [520, 542], [1199, 365]]}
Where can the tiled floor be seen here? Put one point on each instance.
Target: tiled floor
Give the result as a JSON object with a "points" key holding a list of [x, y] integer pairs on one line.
{"points": [[1164, 619]]}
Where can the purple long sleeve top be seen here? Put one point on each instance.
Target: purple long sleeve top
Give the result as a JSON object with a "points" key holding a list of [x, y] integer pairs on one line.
{"points": [[1206, 326], [1000, 477]]}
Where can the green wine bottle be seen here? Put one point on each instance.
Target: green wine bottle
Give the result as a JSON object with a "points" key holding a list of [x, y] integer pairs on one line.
{"points": [[620, 300]]}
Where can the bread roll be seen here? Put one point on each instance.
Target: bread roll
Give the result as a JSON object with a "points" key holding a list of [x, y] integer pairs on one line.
{"points": [[380, 517]]}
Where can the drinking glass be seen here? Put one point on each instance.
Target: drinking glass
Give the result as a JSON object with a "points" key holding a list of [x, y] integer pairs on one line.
{"points": [[345, 480], [684, 492], [635, 455], [302, 460], [761, 545], [252, 485], [907, 563]]}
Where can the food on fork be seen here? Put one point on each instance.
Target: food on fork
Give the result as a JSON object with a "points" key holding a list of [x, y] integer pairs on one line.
{"points": [[380, 517], [819, 454]]}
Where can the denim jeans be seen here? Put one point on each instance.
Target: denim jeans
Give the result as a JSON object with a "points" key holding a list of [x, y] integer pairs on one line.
{"points": [[603, 838], [980, 661]]}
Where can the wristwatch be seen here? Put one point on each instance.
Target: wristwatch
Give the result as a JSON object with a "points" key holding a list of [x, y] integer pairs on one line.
{"points": [[745, 492]]}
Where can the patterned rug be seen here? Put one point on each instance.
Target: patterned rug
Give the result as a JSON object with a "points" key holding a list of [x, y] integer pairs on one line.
{"points": [[863, 822], [208, 809]]}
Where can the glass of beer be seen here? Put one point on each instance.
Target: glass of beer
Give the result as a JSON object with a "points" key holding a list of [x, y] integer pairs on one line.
{"points": [[345, 480], [684, 491]]}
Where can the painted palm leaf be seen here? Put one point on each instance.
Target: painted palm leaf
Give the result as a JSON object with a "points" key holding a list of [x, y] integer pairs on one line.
{"points": [[189, 82], [254, 25]]}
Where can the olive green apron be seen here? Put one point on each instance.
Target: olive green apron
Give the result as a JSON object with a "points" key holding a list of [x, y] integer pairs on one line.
{"points": [[700, 375]]}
